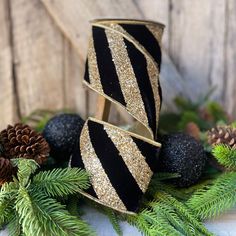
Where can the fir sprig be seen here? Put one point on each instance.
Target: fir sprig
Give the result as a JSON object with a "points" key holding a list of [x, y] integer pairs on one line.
{"points": [[173, 218], [28, 209], [48, 216], [215, 198], [165, 215], [184, 212], [152, 224], [61, 182], [114, 220], [14, 226], [225, 155]]}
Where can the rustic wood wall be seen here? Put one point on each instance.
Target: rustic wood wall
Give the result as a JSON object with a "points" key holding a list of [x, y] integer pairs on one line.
{"points": [[43, 46]]}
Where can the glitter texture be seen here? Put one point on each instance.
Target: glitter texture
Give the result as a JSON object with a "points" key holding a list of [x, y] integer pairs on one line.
{"points": [[131, 155], [99, 180], [129, 88], [184, 155], [153, 74], [94, 75], [152, 67], [157, 32], [126, 76], [128, 150]]}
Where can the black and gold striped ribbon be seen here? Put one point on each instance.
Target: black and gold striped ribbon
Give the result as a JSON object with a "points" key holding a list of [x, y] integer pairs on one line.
{"points": [[123, 65]]}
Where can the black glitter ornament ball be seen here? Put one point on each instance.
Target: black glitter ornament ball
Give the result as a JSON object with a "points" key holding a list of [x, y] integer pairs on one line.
{"points": [[182, 154], [62, 133]]}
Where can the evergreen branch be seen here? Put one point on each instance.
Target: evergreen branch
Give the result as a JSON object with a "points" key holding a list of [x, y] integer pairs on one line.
{"points": [[152, 224], [157, 185], [40, 215], [225, 155], [183, 211], [26, 167], [216, 198], [28, 215], [172, 217], [72, 206], [61, 182], [6, 203], [113, 216], [14, 227], [113, 220], [142, 225], [6, 210]]}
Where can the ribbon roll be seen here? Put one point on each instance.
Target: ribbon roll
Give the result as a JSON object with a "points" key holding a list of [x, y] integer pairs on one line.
{"points": [[123, 65]]}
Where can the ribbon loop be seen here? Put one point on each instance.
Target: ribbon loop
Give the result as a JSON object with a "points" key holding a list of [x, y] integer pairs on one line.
{"points": [[123, 65]]}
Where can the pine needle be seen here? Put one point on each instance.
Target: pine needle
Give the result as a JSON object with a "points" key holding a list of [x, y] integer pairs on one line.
{"points": [[6, 203], [157, 185], [152, 224], [174, 219], [14, 227], [183, 211], [216, 198], [26, 167], [114, 220], [27, 208], [61, 182], [41, 215], [225, 155]]}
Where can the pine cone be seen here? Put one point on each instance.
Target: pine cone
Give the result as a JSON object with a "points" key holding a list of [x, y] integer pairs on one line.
{"points": [[6, 170], [222, 135], [20, 141]]}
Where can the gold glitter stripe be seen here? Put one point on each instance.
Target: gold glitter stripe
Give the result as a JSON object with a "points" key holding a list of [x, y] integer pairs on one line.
{"points": [[126, 75], [99, 180], [94, 75], [157, 32], [118, 29], [138, 136], [132, 156], [153, 74], [152, 66], [152, 69]]}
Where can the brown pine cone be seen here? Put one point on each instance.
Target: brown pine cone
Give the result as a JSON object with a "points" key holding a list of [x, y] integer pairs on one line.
{"points": [[222, 135], [6, 170], [20, 141]]}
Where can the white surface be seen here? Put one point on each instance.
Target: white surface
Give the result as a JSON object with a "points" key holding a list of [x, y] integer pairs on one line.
{"points": [[222, 226]]}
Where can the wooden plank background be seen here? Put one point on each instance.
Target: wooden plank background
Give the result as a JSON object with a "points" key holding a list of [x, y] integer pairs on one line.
{"points": [[43, 47]]}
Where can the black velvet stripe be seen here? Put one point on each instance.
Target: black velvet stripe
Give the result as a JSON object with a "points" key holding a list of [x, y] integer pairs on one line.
{"points": [[106, 67], [150, 152], [145, 37], [114, 166], [139, 65], [76, 161], [86, 74]]}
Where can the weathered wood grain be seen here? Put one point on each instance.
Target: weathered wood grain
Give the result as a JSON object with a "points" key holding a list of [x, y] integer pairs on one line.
{"points": [[229, 78], [75, 93], [7, 106], [197, 31], [172, 83], [158, 11], [38, 57], [48, 70], [73, 18]]}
